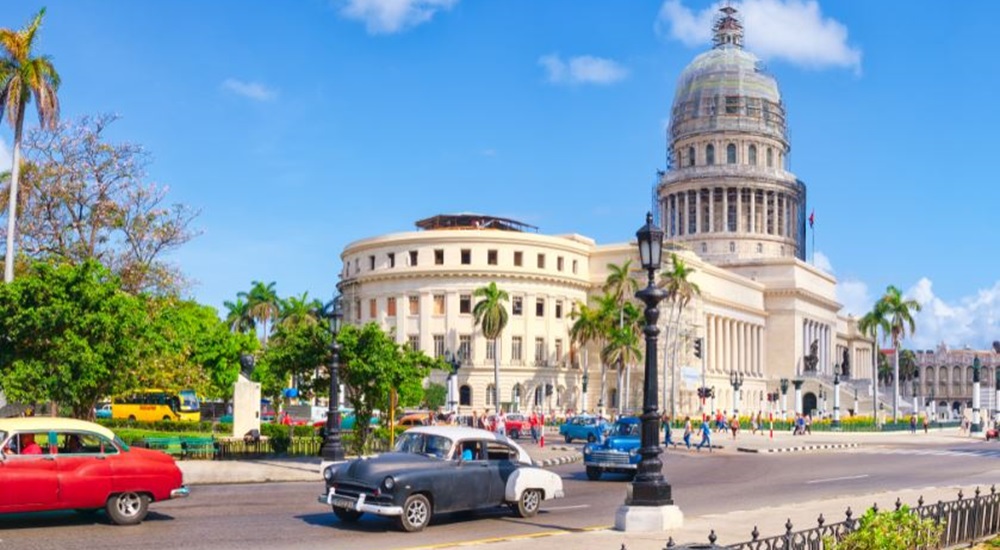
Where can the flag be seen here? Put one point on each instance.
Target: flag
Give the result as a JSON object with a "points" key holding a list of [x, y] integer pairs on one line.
{"points": [[812, 218]]}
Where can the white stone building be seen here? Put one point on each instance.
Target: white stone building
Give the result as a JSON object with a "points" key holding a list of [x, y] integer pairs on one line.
{"points": [[729, 208]]}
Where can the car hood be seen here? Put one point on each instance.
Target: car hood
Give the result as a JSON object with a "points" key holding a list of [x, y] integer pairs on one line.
{"points": [[622, 442], [374, 469], [152, 455]]}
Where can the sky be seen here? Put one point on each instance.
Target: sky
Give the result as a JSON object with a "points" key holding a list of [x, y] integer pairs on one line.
{"points": [[299, 127]]}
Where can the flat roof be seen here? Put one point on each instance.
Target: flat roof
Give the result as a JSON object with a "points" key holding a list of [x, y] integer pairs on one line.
{"points": [[469, 220]]}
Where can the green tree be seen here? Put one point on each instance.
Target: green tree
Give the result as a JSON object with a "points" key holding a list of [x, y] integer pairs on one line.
{"points": [[587, 328], [23, 76], [238, 316], [869, 325], [263, 303], [620, 287], [71, 336], [372, 364], [680, 291], [490, 314], [297, 351], [435, 396], [300, 310], [898, 313]]}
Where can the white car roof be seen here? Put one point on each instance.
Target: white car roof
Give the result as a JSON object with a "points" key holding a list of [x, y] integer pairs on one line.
{"points": [[457, 433]]}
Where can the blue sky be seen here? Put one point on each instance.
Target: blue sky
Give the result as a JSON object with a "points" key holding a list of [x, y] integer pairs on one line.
{"points": [[299, 127]]}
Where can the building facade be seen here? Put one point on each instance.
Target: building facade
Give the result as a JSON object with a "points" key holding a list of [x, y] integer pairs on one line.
{"points": [[730, 209]]}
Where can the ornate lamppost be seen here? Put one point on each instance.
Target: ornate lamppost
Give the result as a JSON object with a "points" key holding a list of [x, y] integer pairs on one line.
{"points": [[454, 362], [798, 395], [736, 381], [784, 393], [822, 402], [977, 422], [648, 503], [333, 450], [916, 399], [836, 397], [583, 397]]}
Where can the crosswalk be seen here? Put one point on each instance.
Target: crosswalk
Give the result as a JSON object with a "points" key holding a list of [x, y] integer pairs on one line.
{"points": [[984, 453]]}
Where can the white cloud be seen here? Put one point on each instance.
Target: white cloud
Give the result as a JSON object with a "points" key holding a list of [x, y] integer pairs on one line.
{"points": [[251, 90], [391, 16], [971, 321], [821, 261], [5, 156], [791, 30], [583, 69]]}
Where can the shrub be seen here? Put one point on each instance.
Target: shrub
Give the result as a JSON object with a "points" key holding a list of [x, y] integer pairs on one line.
{"points": [[894, 530]]}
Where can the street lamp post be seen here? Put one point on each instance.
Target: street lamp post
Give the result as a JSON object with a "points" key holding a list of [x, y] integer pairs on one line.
{"points": [[977, 424], [856, 411], [648, 503], [454, 362], [798, 395], [822, 402], [836, 397], [333, 450], [736, 381], [784, 393], [916, 398], [583, 397]]}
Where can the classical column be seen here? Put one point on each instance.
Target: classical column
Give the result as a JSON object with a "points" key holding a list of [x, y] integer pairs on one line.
{"points": [[753, 211], [697, 211], [739, 209], [711, 209], [725, 209]]}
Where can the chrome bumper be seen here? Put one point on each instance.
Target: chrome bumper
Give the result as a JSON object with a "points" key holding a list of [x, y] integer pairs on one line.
{"points": [[331, 498], [612, 465], [181, 492]]}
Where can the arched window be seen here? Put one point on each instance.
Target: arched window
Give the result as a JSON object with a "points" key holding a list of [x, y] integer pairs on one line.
{"points": [[710, 154], [690, 156], [752, 155], [770, 158], [731, 153], [465, 395], [490, 395]]}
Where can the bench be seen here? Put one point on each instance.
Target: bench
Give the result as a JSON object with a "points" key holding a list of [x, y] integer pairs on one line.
{"points": [[169, 444], [203, 447]]}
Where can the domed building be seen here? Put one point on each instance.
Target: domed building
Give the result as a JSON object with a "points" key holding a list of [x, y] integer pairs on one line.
{"points": [[731, 211]]}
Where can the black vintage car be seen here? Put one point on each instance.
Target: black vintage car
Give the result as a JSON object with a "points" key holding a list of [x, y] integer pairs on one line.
{"points": [[437, 470]]}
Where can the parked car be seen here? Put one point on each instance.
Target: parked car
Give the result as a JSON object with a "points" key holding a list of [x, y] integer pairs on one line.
{"points": [[439, 469], [66, 464], [103, 411], [618, 452], [412, 419], [590, 428]]}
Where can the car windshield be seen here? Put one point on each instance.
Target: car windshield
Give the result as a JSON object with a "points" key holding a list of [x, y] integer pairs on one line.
{"points": [[425, 444], [627, 429]]}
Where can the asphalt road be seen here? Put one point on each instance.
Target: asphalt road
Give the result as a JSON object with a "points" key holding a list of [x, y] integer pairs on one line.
{"points": [[287, 515]]}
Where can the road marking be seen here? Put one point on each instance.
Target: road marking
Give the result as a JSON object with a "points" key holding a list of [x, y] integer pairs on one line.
{"points": [[574, 507], [528, 536], [828, 480]]}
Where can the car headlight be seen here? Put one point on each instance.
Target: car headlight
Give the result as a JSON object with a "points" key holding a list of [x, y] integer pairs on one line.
{"points": [[587, 450], [388, 483], [328, 473], [633, 452]]}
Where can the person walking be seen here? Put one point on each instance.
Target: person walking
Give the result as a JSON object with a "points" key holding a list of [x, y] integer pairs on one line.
{"points": [[926, 422], [501, 427], [687, 432], [533, 423], [913, 423], [667, 441], [734, 425], [706, 435]]}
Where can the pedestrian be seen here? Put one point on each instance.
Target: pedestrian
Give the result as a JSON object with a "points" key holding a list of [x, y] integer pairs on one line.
{"points": [[706, 433], [926, 422], [808, 424], [667, 441], [753, 424], [687, 432], [501, 423], [533, 424], [913, 423], [734, 425]]}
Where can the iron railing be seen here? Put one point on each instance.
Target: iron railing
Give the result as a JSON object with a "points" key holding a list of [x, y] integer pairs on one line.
{"points": [[963, 521]]}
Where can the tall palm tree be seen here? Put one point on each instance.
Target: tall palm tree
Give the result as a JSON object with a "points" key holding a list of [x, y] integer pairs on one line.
{"points": [[238, 317], [680, 291], [585, 329], [299, 310], [490, 315], [869, 325], [23, 76], [262, 300], [621, 287], [898, 313]]}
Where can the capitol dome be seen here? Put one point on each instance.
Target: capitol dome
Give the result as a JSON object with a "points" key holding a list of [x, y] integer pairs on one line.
{"points": [[727, 193]]}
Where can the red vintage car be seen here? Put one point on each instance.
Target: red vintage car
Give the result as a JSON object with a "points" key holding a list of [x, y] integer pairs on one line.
{"points": [[62, 463]]}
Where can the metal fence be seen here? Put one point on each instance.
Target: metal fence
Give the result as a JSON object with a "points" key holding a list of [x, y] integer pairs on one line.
{"points": [[963, 521]]}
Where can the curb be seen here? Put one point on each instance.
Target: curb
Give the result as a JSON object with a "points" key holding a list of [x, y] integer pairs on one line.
{"points": [[800, 448], [576, 456]]}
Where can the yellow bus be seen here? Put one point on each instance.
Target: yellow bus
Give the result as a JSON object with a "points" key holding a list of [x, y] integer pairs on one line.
{"points": [[154, 405]]}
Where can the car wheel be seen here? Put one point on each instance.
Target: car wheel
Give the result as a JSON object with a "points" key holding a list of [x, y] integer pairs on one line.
{"points": [[591, 438], [569, 439], [346, 515], [516, 434], [527, 505], [131, 418], [166, 419], [127, 508], [593, 473], [416, 513]]}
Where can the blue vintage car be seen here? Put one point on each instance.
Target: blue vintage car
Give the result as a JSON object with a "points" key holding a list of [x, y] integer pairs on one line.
{"points": [[584, 426], [618, 452]]}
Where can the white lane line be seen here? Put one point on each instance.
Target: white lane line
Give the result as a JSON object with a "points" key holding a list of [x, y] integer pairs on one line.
{"points": [[574, 507], [828, 480]]}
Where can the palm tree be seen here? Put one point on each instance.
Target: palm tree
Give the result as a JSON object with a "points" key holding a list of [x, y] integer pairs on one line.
{"points": [[869, 325], [680, 291], [299, 311], [898, 313], [238, 318], [21, 77], [491, 316], [262, 300], [585, 329], [623, 347], [621, 288]]}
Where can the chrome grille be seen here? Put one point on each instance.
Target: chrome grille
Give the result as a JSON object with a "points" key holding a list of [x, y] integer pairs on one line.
{"points": [[609, 457]]}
